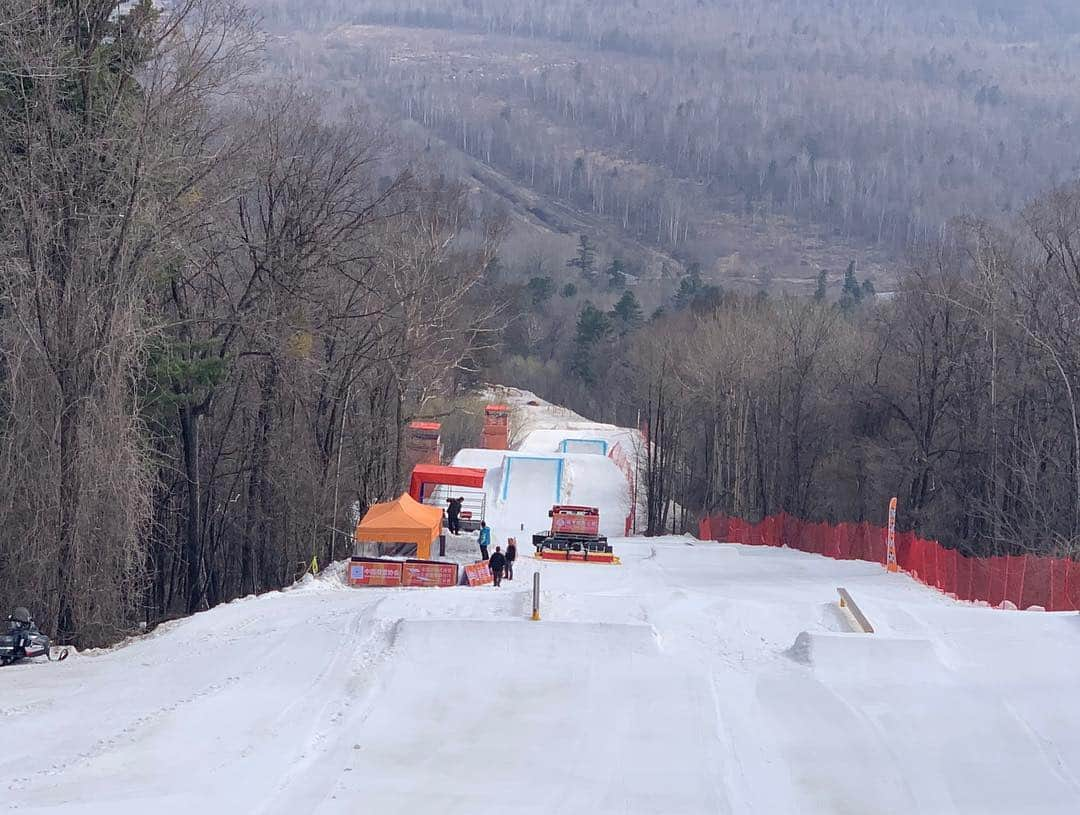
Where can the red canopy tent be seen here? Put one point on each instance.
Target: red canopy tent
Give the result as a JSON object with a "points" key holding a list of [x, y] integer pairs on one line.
{"points": [[424, 474]]}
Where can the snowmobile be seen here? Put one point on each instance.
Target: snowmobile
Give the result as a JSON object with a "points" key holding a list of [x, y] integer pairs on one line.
{"points": [[22, 640]]}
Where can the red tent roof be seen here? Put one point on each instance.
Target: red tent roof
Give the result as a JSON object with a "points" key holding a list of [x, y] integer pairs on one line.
{"points": [[451, 476]]}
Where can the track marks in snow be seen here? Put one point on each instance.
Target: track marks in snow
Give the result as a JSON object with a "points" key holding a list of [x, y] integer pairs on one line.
{"points": [[129, 733], [336, 707]]}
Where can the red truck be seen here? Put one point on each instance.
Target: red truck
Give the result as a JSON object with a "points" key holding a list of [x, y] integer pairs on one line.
{"points": [[574, 536]]}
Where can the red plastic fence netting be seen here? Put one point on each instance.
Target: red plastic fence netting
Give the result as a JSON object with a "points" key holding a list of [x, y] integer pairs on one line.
{"points": [[1024, 581]]}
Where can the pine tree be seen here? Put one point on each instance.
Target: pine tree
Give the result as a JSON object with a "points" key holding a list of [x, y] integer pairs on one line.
{"points": [[593, 328], [585, 262], [541, 290], [627, 314], [689, 287], [851, 283], [822, 286], [616, 273], [569, 290], [852, 292]]}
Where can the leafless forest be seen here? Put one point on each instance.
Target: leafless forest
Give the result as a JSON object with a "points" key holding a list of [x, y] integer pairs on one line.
{"points": [[766, 141], [220, 306], [825, 252]]}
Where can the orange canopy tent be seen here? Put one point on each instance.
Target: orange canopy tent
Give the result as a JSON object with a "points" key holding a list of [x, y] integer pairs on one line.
{"points": [[424, 475], [403, 521]]}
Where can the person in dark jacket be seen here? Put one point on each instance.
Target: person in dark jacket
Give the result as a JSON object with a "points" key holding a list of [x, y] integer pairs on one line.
{"points": [[453, 515], [497, 564], [511, 556]]}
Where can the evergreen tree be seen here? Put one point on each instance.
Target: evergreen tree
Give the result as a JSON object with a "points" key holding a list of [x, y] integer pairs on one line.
{"points": [[585, 262], [593, 330], [822, 286], [851, 283], [852, 293], [689, 287], [541, 290], [593, 326], [569, 290], [627, 314]]}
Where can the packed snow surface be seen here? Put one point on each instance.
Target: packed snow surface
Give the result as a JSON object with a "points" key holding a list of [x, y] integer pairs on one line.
{"points": [[694, 678]]}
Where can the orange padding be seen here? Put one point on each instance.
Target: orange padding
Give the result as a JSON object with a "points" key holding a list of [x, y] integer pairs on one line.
{"points": [[605, 558]]}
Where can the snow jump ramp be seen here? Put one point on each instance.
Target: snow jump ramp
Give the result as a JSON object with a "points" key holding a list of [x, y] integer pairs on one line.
{"points": [[905, 715], [531, 711], [535, 476], [597, 447], [864, 658], [527, 489]]}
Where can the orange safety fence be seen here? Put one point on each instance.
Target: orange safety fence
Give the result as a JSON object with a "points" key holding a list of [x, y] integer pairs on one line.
{"points": [[1025, 581]]}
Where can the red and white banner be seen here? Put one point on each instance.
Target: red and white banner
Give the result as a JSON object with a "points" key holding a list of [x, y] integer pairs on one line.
{"points": [[375, 573], [575, 523], [421, 573]]}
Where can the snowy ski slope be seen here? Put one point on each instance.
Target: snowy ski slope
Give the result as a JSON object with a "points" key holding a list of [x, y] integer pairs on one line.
{"points": [[694, 678]]}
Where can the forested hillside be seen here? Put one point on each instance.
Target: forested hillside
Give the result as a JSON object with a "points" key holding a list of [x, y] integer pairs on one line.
{"points": [[220, 306], [959, 394], [828, 149], [765, 141]]}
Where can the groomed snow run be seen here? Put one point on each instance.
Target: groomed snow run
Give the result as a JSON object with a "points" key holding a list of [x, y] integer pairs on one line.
{"points": [[694, 678]]}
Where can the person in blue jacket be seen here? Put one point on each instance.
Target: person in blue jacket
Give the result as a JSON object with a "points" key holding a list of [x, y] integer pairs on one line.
{"points": [[485, 540]]}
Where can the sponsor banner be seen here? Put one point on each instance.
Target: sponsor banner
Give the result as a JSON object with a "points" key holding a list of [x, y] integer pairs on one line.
{"points": [[571, 524], [425, 573], [375, 573], [478, 574]]}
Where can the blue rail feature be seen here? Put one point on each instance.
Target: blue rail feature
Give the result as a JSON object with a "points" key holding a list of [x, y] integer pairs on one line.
{"points": [[598, 446], [558, 465]]}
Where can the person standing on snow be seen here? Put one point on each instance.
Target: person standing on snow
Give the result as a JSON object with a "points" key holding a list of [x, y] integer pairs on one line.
{"points": [[511, 556], [453, 515], [497, 564], [484, 540]]}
